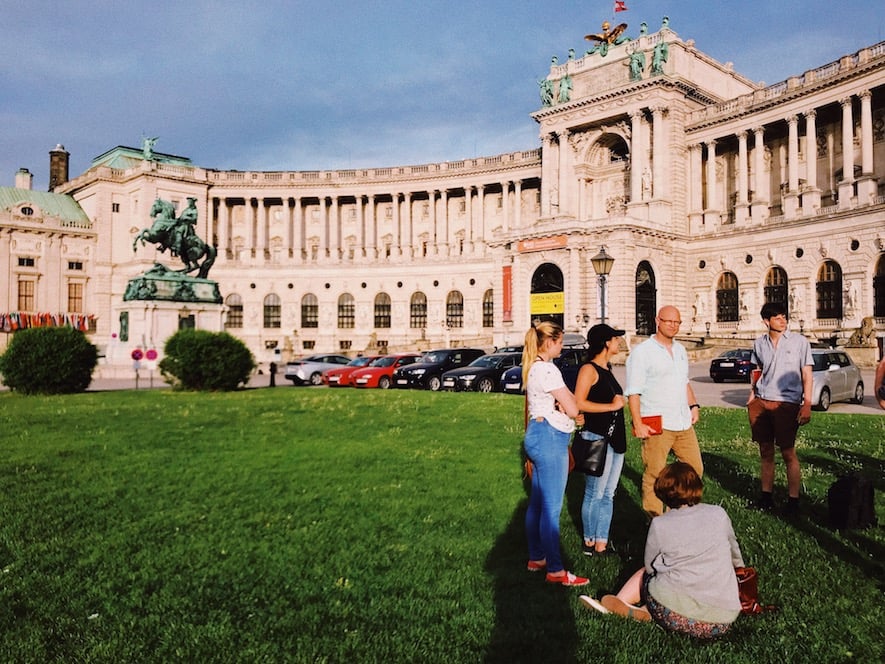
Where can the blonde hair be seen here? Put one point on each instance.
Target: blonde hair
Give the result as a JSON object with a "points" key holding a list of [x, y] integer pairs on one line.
{"points": [[534, 340]]}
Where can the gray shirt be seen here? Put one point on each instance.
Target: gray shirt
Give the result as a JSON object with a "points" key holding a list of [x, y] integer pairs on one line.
{"points": [[781, 366], [692, 553]]}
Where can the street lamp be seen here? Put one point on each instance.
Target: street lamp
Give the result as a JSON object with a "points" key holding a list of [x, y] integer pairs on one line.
{"points": [[707, 325], [602, 265]]}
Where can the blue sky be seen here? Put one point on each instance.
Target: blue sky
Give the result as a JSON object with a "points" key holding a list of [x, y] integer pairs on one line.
{"points": [[287, 85]]}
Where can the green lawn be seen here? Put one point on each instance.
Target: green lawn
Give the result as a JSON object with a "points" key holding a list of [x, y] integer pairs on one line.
{"points": [[317, 525]]}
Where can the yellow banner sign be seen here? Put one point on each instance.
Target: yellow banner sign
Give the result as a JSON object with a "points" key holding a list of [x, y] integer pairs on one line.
{"points": [[547, 303]]}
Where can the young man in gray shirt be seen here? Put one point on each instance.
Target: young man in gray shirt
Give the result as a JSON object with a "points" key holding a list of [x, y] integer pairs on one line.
{"points": [[780, 402]]}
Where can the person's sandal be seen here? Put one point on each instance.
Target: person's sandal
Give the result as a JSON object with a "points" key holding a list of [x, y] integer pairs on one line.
{"points": [[567, 579], [616, 605], [592, 603]]}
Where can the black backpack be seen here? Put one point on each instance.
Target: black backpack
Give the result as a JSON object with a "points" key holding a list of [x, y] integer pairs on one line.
{"points": [[851, 502]]}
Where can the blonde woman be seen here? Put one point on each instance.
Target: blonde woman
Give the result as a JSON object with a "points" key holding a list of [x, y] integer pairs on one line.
{"points": [[551, 412]]}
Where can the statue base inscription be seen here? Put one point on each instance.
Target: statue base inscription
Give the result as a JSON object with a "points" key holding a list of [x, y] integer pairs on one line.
{"points": [[161, 283]]}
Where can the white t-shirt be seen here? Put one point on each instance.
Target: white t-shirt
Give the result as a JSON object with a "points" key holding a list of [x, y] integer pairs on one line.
{"points": [[544, 378]]}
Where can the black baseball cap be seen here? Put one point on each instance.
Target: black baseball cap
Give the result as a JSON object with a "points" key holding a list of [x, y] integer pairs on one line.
{"points": [[599, 334]]}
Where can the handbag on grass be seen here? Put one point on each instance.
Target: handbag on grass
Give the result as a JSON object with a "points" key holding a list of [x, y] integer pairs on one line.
{"points": [[590, 450], [748, 591]]}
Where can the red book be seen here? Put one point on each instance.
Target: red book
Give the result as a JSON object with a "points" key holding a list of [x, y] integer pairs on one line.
{"points": [[654, 423]]}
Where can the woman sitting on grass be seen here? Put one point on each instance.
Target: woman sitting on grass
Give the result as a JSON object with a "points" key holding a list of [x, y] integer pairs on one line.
{"points": [[551, 409], [688, 583]]}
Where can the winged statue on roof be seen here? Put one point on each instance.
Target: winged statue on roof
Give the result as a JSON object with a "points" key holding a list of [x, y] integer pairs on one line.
{"points": [[610, 36]]}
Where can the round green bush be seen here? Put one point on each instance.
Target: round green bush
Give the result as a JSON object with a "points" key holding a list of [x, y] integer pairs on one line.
{"points": [[48, 360], [201, 360]]}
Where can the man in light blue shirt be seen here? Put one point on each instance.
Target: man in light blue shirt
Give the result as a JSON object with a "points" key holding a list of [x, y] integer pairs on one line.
{"points": [[780, 402], [657, 384]]}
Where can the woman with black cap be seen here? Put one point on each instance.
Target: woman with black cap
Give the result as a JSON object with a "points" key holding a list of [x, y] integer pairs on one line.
{"points": [[600, 398]]}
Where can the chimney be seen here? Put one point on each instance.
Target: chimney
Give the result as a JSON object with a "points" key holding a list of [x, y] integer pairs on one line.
{"points": [[24, 179], [58, 166]]}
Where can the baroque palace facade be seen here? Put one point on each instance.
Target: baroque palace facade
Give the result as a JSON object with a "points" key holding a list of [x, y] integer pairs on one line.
{"points": [[710, 192]]}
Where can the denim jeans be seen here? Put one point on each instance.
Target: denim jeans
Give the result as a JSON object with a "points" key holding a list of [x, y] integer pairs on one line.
{"points": [[599, 493], [547, 447]]}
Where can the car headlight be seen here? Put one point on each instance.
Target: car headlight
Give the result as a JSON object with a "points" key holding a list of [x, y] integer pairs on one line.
{"points": [[419, 372], [468, 377]]}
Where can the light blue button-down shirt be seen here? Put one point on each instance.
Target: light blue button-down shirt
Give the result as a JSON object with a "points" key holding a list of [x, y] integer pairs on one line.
{"points": [[661, 381]]}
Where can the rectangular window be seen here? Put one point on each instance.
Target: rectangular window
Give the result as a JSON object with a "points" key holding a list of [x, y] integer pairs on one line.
{"points": [[115, 207], [309, 345], [272, 315], [26, 290], [418, 315], [75, 265], [75, 297], [310, 315], [346, 316], [344, 344], [26, 261], [382, 314], [234, 316]]}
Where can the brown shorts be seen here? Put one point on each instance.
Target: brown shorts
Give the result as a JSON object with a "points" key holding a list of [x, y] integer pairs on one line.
{"points": [[774, 422]]}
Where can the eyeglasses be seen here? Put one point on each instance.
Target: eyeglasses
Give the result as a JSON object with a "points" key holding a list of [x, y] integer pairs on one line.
{"points": [[670, 322]]}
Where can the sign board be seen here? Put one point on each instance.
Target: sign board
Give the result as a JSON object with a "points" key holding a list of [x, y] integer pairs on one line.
{"points": [[547, 303]]}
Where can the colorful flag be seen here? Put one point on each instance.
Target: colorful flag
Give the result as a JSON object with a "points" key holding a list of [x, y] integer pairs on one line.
{"points": [[620, 6]]}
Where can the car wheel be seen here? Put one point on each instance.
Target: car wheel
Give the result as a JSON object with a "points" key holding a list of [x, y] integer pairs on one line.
{"points": [[858, 393], [316, 378], [717, 380], [434, 383], [485, 385], [384, 382], [824, 402]]}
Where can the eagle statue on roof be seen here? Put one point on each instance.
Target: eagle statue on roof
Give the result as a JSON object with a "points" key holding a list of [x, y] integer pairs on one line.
{"points": [[608, 37]]}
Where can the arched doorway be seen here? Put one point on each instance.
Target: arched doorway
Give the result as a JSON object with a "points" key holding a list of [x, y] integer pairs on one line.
{"points": [[776, 288], [646, 299], [548, 294], [879, 288]]}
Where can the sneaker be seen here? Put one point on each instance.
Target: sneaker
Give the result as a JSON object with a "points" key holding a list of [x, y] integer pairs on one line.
{"points": [[616, 605], [588, 601], [588, 549], [567, 579], [536, 565]]}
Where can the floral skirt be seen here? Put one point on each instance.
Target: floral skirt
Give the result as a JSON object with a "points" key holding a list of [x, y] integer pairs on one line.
{"points": [[676, 622]]}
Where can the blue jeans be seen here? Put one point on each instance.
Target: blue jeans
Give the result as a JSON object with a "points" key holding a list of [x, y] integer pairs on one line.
{"points": [[599, 493], [547, 447]]}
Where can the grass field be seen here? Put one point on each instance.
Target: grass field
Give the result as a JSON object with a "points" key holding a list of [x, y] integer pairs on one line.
{"points": [[316, 525]]}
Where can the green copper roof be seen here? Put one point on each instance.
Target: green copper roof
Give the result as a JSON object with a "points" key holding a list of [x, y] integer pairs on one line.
{"points": [[125, 157], [60, 206]]}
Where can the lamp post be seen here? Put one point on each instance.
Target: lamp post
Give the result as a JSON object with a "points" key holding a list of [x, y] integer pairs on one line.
{"points": [[707, 325], [602, 265]]}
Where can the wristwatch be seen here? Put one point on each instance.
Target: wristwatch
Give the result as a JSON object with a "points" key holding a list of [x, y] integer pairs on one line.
{"points": [[695, 405]]}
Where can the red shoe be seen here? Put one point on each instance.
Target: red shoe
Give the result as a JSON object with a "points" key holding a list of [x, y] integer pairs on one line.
{"points": [[567, 579], [537, 565]]}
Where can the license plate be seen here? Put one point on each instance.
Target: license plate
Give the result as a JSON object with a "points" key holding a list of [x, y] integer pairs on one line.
{"points": [[362, 381], [726, 364], [448, 382], [334, 379], [402, 382], [512, 386]]}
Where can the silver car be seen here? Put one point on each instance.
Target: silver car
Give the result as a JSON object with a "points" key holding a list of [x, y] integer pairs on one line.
{"points": [[310, 369], [836, 378]]}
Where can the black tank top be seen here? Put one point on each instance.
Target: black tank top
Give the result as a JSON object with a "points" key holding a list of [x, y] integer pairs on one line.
{"points": [[603, 391]]}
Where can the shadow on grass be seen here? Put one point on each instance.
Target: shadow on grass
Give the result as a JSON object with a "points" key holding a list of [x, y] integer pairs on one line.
{"points": [[853, 547], [534, 620]]}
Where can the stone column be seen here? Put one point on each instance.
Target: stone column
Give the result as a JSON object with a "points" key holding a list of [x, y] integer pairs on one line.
{"points": [[505, 204], [711, 213], [517, 204], [811, 193], [481, 207], [695, 187], [759, 206], [564, 179], [434, 239], [867, 184], [224, 228], [371, 229], [547, 183], [846, 185], [741, 209], [637, 156], [397, 248], [444, 222], [408, 240], [791, 196], [263, 225], [659, 168], [360, 250], [251, 223], [298, 245], [334, 230]]}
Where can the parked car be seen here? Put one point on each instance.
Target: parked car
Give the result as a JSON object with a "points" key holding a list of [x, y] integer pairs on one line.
{"points": [[380, 370], [427, 374], [340, 376], [836, 378], [569, 363], [310, 369], [481, 375], [735, 364]]}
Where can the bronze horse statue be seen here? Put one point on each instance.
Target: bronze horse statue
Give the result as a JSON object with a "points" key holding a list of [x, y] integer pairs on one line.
{"points": [[176, 234]]}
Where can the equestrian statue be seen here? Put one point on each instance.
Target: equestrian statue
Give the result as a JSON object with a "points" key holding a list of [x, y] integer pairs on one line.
{"points": [[177, 235]]}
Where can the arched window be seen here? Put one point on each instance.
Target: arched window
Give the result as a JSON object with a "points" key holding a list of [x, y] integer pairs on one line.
{"points": [[879, 288], [346, 311], [548, 294], [310, 311], [418, 311], [455, 309], [382, 310], [272, 310], [727, 298], [234, 311], [776, 288], [646, 296], [829, 290], [488, 308]]}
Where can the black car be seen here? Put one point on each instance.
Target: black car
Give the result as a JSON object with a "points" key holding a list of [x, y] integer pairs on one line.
{"points": [[427, 374], [481, 375], [736, 364], [569, 363]]}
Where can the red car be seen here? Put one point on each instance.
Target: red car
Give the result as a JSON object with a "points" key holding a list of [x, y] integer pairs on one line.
{"points": [[378, 373], [340, 377]]}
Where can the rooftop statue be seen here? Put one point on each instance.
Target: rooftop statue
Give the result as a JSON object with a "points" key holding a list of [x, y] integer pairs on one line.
{"points": [[659, 57], [546, 86], [147, 147], [177, 235], [565, 89], [608, 37]]}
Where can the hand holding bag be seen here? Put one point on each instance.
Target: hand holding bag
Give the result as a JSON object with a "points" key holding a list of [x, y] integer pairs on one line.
{"points": [[748, 591]]}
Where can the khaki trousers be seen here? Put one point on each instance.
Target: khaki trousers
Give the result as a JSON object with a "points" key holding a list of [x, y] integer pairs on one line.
{"points": [[655, 450]]}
